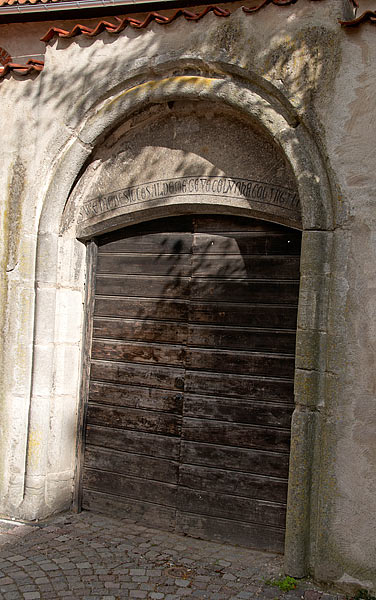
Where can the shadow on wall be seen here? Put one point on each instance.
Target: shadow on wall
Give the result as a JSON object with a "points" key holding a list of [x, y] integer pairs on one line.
{"points": [[288, 56]]}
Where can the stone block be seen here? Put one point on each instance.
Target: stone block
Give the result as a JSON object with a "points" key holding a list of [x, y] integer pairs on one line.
{"points": [[308, 388], [69, 314], [313, 302], [71, 262], [67, 362], [45, 315], [47, 258], [311, 350], [43, 370], [316, 255]]}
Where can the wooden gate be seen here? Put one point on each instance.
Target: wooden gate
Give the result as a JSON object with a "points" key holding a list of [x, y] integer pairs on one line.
{"points": [[191, 383]]}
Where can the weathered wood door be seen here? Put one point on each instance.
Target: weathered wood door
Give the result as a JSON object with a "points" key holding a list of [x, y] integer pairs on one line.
{"points": [[191, 384]]}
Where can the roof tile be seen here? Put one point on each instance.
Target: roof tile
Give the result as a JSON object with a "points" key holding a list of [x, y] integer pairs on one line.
{"points": [[12, 2], [123, 22], [31, 66], [5, 57]]}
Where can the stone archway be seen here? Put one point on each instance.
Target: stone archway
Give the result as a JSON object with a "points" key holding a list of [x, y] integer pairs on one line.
{"points": [[314, 194]]}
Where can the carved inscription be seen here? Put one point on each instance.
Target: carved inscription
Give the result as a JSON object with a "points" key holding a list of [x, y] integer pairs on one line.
{"points": [[255, 191]]}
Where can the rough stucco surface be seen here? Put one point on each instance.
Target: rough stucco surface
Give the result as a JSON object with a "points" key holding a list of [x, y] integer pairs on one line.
{"points": [[320, 79]]}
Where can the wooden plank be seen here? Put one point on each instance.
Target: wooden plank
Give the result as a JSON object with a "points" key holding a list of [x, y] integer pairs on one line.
{"points": [[130, 487], [136, 397], [91, 259], [230, 507], [228, 531], [153, 309], [168, 378], [239, 411], [226, 313], [179, 224], [239, 386], [284, 243], [270, 464], [130, 418], [235, 266], [146, 513], [165, 289], [138, 352], [233, 482], [241, 338], [143, 330], [178, 265], [227, 223], [140, 286], [148, 467], [247, 243], [245, 290], [151, 243], [134, 441], [240, 361], [248, 315], [235, 434]]}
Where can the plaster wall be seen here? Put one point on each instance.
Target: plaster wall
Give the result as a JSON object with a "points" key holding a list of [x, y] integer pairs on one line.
{"points": [[308, 85]]}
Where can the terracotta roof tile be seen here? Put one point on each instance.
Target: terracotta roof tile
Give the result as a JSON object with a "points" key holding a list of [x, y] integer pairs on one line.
{"points": [[31, 66], [123, 22], [5, 57], [20, 2]]}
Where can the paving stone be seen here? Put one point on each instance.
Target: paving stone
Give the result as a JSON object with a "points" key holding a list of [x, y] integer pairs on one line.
{"points": [[312, 595], [27, 588], [8, 588], [129, 585], [137, 571], [182, 582], [50, 567]]}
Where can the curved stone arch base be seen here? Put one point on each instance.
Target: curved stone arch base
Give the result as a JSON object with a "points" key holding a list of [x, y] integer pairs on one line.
{"points": [[60, 283], [179, 206]]}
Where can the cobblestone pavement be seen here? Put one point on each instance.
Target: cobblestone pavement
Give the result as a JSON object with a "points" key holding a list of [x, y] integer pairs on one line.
{"points": [[93, 557]]}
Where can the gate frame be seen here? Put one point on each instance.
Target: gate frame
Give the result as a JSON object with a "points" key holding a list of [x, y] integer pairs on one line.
{"points": [[241, 90]]}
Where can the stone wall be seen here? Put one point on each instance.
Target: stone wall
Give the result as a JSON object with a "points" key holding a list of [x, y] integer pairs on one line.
{"points": [[289, 83]]}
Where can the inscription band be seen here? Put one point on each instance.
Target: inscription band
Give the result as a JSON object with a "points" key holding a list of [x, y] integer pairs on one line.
{"points": [[256, 191]]}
